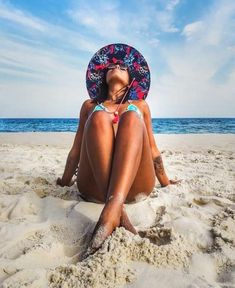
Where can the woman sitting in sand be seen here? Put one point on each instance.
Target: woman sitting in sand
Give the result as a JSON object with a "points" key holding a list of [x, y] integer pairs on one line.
{"points": [[114, 147]]}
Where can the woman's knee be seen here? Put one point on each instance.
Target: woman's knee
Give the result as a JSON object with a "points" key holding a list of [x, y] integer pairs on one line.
{"points": [[99, 119], [132, 118]]}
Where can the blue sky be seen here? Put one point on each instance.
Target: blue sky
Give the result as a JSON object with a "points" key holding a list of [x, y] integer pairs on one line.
{"points": [[46, 46]]}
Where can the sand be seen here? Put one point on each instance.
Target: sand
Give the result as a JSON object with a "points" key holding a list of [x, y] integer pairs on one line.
{"points": [[186, 231]]}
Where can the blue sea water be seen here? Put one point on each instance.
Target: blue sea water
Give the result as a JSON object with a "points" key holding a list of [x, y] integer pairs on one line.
{"points": [[160, 125]]}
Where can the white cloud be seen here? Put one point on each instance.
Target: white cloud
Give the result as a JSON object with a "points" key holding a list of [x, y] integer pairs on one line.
{"points": [[28, 100], [175, 98], [154, 42], [15, 15], [101, 17], [189, 88], [111, 21], [48, 66], [171, 4], [215, 27], [58, 33], [220, 25], [191, 29], [40, 83], [164, 19]]}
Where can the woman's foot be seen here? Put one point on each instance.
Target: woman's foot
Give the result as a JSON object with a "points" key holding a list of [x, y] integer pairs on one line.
{"points": [[126, 223], [107, 223], [112, 216]]}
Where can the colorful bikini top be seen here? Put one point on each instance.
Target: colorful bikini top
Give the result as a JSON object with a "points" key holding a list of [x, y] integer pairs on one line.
{"points": [[130, 107]]}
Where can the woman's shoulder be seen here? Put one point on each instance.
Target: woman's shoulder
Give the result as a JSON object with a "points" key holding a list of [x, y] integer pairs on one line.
{"points": [[88, 104]]}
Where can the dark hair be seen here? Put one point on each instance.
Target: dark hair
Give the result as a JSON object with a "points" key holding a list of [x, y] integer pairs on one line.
{"points": [[103, 91]]}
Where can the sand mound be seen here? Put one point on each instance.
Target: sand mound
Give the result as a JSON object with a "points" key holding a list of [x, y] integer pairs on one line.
{"points": [[109, 266]]}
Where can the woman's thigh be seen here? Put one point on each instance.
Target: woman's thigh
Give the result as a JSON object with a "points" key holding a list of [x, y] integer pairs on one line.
{"points": [[86, 181], [145, 177], [142, 185]]}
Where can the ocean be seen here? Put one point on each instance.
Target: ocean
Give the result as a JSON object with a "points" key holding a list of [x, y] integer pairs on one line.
{"points": [[160, 125]]}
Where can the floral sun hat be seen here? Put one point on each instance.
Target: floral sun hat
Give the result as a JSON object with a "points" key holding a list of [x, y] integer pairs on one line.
{"points": [[119, 54]]}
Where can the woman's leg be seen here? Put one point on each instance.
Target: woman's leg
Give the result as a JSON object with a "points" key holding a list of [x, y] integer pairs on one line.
{"points": [[132, 168], [95, 161], [132, 157], [96, 156]]}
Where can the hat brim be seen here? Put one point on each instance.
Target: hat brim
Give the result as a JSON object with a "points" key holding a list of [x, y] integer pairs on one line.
{"points": [[123, 54]]}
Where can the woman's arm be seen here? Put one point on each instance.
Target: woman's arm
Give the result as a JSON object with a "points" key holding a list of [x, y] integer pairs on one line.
{"points": [[74, 154], [156, 155]]}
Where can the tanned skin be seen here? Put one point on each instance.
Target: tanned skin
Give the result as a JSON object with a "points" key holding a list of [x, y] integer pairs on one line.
{"points": [[116, 161]]}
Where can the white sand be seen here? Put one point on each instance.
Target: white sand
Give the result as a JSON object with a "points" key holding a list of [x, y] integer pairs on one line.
{"points": [[188, 229]]}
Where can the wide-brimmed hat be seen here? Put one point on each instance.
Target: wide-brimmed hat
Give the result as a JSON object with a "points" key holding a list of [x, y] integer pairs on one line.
{"points": [[121, 54]]}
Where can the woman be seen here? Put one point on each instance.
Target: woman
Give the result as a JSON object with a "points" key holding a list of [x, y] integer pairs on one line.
{"points": [[114, 144]]}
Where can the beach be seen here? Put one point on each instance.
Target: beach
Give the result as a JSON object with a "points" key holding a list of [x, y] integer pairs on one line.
{"points": [[186, 231]]}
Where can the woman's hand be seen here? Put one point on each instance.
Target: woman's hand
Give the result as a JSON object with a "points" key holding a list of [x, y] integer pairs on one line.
{"points": [[60, 183], [171, 182], [175, 181]]}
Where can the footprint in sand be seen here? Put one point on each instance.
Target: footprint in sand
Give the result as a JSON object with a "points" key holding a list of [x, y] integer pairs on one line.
{"points": [[21, 247], [40, 180], [223, 227], [20, 207], [156, 235]]}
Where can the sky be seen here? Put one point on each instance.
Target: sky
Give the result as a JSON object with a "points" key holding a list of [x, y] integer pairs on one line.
{"points": [[46, 45]]}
